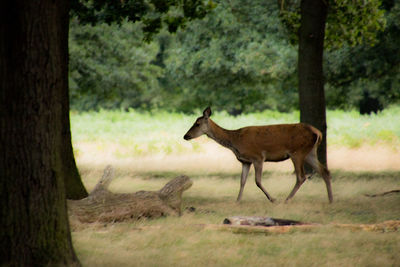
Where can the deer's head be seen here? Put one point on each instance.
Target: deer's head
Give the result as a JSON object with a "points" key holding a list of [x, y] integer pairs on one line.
{"points": [[200, 126]]}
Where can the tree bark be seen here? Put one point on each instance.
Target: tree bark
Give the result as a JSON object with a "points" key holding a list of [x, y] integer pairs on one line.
{"points": [[104, 206], [310, 58], [33, 79]]}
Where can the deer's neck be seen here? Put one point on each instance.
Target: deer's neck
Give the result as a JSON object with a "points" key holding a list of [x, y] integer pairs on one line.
{"points": [[222, 136]]}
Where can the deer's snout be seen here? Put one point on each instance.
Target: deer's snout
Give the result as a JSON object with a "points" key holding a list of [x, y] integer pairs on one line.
{"points": [[187, 137]]}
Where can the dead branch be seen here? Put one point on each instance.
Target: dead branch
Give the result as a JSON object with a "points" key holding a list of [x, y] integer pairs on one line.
{"points": [[251, 229], [259, 221], [383, 194], [103, 205]]}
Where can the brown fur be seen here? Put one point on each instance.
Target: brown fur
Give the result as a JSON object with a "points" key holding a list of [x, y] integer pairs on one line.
{"points": [[257, 144]]}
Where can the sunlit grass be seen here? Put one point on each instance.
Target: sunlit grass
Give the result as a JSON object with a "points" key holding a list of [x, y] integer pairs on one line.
{"points": [[183, 246], [180, 241], [147, 150]]}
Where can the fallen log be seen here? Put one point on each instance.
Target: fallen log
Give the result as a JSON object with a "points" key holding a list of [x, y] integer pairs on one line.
{"points": [[103, 205]]}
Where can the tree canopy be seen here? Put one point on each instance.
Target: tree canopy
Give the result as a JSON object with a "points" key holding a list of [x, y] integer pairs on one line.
{"points": [[153, 14], [348, 22], [239, 58]]}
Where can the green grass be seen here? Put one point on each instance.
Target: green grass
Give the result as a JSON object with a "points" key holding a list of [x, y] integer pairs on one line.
{"points": [[354, 130]]}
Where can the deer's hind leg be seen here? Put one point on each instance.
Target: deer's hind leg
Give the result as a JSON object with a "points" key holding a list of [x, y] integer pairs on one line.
{"points": [[312, 159]]}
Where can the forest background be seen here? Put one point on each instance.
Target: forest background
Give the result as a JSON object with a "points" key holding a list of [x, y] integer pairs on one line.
{"points": [[240, 58]]}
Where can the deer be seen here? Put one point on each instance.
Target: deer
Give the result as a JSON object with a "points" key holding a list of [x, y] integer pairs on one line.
{"points": [[254, 145]]}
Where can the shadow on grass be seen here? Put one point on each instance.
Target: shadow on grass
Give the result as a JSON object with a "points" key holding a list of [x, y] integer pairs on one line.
{"points": [[205, 174]]}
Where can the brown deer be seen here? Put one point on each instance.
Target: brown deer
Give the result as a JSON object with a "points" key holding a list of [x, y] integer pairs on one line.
{"points": [[257, 144]]}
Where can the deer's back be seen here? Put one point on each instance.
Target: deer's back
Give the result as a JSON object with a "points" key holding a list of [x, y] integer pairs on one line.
{"points": [[275, 142]]}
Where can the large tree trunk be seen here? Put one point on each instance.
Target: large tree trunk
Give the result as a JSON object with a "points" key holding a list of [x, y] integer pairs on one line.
{"points": [[311, 80], [33, 79]]}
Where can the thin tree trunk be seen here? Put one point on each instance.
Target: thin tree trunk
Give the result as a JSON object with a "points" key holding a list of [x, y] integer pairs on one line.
{"points": [[311, 80], [72, 179], [33, 79]]}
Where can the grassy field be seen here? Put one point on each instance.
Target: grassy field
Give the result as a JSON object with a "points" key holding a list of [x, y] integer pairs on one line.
{"points": [[147, 150]]}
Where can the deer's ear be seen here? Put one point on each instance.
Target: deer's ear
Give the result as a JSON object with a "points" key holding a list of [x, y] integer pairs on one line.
{"points": [[207, 112]]}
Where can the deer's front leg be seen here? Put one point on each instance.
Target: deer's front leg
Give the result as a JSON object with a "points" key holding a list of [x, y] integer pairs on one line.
{"points": [[258, 167], [243, 178]]}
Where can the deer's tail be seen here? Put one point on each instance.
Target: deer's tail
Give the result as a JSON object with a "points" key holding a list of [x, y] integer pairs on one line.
{"points": [[317, 135]]}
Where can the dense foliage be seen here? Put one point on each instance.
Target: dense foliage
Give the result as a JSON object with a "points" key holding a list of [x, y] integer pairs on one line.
{"points": [[111, 68], [238, 58], [367, 70], [348, 22]]}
